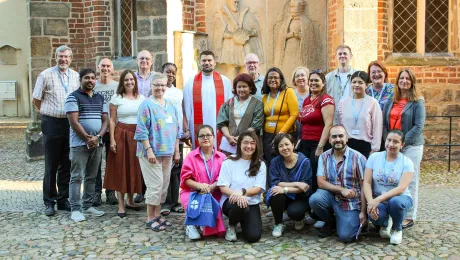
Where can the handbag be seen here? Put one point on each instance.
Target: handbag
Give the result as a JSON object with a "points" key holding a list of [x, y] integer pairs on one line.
{"points": [[202, 210], [295, 179]]}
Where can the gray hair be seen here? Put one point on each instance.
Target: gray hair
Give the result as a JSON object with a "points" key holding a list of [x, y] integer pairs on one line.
{"points": [[156, 75], [63, 48]]}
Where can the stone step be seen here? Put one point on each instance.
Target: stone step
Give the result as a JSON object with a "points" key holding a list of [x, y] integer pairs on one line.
{"points": [[14, 122]]}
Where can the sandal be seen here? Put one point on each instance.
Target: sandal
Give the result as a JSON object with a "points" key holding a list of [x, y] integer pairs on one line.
{"points": [[158, 227], [163, 222], [409, 224], [165, 212], [178, 209]]}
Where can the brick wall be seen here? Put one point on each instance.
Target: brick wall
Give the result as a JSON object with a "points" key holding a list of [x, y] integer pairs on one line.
{"points": [[194, 15], [332, 8]]}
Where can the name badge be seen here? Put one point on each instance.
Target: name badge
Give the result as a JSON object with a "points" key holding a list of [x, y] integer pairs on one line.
{"points": [[272, 124], [168, 120], [355, 132]]}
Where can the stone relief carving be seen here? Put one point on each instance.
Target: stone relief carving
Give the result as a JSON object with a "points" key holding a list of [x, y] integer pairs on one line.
{"points": [[295, 44], [236, 33], [8, 55]]}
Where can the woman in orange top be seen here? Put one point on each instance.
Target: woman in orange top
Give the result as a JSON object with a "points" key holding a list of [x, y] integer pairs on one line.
{"points": [[406, 112]]}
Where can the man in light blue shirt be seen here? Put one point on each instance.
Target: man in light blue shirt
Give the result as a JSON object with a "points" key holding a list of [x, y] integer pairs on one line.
{"points": [[252, 65]]}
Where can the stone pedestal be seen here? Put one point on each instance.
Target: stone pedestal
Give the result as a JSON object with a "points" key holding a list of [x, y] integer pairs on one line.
{"points": [[35, 149]]}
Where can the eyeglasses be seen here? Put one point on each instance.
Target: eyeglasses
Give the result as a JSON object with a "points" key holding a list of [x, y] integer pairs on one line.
{"points": [[252, 62], [159, 85], [300, 76], [144, 58], [273, 78], [208, 136]]}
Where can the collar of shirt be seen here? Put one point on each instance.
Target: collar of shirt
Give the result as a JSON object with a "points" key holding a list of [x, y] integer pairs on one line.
{"points": [[345, 154], [198, 153], [350, 72], [258, 78]]}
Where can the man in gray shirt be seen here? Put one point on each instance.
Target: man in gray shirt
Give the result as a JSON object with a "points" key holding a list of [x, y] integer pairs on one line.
{"points": [[107, 87], [252, 65]]}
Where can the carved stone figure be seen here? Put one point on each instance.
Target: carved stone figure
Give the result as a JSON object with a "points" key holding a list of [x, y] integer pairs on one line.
{"points": [[236, 33], [295, 45]]}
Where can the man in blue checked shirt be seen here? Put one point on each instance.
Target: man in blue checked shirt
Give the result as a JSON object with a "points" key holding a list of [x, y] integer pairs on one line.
{"points": [[340, 180]]}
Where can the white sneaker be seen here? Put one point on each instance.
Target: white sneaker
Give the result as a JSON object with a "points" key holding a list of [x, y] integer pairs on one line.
{"points": [[77, 216], [309, 220], [319, 224], [385, 232], [191, 232], [93, 212], [230, 235], [396, 237], [285, 217], [278, 230], [299, 225]]}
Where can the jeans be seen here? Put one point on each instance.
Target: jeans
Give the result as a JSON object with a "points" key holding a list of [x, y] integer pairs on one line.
{"points": [[57, 162], [172, 196], [325, 206], [395, 208], [295, 208], [106, 141], [250, 219], [84, 166], [415, 153]]}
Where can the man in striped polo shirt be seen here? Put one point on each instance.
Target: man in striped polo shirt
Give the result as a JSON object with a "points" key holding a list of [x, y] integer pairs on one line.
{"points": [[87, 114]]}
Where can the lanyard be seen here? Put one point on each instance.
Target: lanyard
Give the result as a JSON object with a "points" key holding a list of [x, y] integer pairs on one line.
{"points": [[274, 103], [66, 87], [381, 93], [385, 175], [356, 116], [334, 168], [209, 173], [164, 108], [342, 88], [245, 105]]}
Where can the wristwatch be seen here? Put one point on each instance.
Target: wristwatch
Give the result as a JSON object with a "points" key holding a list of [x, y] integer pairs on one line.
{"points": [[99, 137], [320, 145], [244, 191], [286, 190]]}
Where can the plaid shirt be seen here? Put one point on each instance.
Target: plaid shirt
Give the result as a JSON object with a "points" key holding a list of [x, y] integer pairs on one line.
{"points": [[50, 90], [346, 173]]}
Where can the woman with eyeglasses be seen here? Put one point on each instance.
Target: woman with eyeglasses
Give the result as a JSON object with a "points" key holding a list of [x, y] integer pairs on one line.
{"points": [[300, 83], [200, 172], [361, 116], [280, 109], [379, 88], [157, 135], [242, 180], [406, 112], [123, 172], [386, 187], [240, 113], [316, 118]]}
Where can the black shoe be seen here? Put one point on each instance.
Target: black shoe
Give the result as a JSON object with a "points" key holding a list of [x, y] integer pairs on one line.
{"points": [[64, 206], [121, 215], [139, 198], [409, 224], [97, 200], [325, 231], [49, 211], [111, 199]]}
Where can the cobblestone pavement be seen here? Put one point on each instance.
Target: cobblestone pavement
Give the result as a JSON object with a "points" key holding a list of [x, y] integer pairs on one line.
{"points": [[25, 233]]}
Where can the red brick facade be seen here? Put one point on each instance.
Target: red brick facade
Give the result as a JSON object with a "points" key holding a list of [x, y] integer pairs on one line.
{"points": [[194, 15]]}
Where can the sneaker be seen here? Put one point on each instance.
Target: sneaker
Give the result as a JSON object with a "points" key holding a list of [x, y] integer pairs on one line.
{"points": [[396, 237], [299, 225], [269, 214], [285, 217], [97, 200], [309, 220], [49, 211], [385, 232], [77, 216], [139, 198], [230, 235], [319, 224], [325, 231], [278, 230], [111, 199], [93, 211], [191, 232]]}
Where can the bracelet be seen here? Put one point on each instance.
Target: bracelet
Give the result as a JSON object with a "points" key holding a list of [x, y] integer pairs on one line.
{"points": [[146, 149]]}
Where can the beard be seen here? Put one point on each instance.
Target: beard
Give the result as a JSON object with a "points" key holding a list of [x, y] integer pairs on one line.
{"points": [[207, 70]]}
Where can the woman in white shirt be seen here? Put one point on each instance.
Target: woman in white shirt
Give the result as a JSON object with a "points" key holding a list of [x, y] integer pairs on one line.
{"points": [[242, 180], [123, 173]]}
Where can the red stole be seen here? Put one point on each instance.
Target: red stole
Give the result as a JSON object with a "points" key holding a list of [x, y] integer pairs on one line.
{"points": [[198, 105]]}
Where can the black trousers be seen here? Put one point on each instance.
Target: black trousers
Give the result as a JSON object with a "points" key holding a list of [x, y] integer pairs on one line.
{"points": [[106, 141], [361, 146], [308, 148], [57, 163], [172, 196], [249, 219], [295, 208]]}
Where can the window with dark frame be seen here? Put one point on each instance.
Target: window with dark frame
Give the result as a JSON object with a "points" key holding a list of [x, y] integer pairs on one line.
{"points": [[126, 28]]}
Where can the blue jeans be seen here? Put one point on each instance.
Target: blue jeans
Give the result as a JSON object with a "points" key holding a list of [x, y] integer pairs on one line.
{"points": [[85, 163], [324, 205], [395, 208]]}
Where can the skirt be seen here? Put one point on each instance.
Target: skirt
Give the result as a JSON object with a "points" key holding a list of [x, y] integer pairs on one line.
{"points": [[123, 172]]}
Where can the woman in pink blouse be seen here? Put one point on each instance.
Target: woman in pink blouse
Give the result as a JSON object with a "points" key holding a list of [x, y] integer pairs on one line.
{"points": [[200, 171], [361, 116]]}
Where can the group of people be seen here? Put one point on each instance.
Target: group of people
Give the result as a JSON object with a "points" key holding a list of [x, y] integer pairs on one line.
{"points": [[331, 150]]}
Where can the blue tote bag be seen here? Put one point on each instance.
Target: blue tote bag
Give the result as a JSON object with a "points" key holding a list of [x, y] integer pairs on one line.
{"points": [[202, 210]]}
